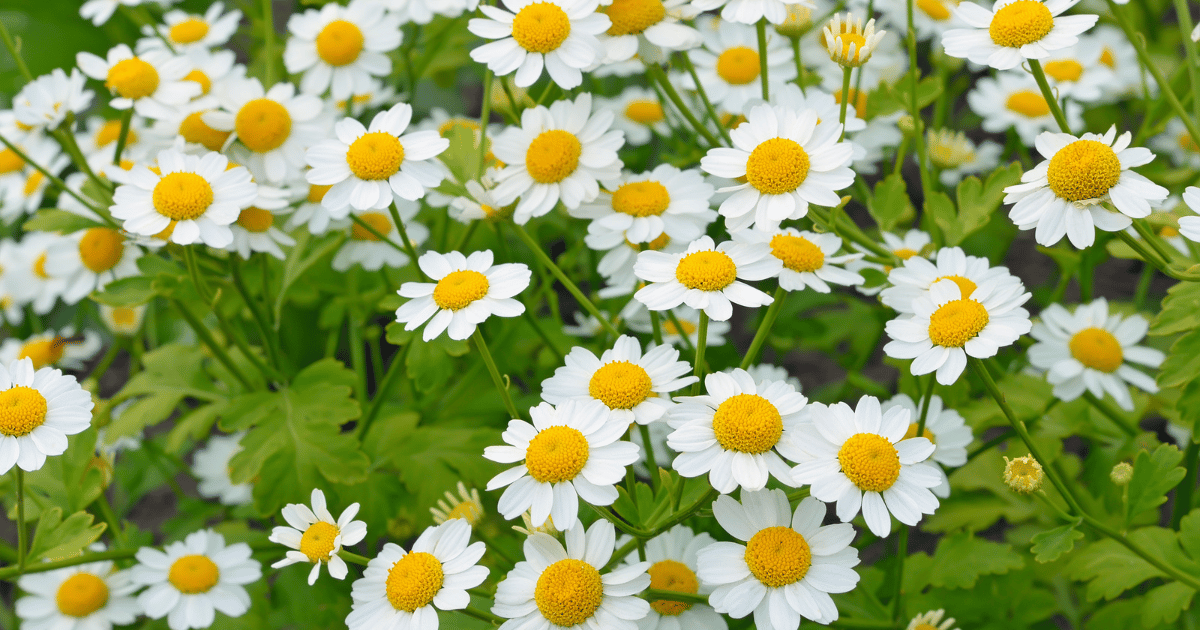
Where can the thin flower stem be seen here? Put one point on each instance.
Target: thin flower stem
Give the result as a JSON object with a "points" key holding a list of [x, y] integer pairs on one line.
{"points": [[21, 542], [1112, 414], [485, 114], [1164, 252], [114, 524], [708, 106], [11, 45], [653, 594], [761, 28], [764, 329], [801, 72], [901, 554], [268, 332], [482, 615], [350, 556], [67, 139], [1035, 68], [377, 234], [394, 370], [687, 342], [657, 74], [189, 260], [58, 183], [481, 345], [621, 553], [123, 139], [269, 43], [566, 282], [106, 361], [701, 344], [651, 461], [465, 236], [207, 339], [11, 572], [1187, 485], [925, 400], [408, 244], [1184, 17], [656, 328], [1146, 255], [845, 99]]}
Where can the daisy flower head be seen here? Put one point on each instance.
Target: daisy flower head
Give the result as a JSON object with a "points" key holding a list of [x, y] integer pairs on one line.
{"points": [[917, 276], [632, 385], [255, 231], [62, 349], [210, 464], [191, 31], [571, 451], [403, 590], [785, 565], [46, 101], [99, 139], [341, 49], [862, 459], [1176, 141], [274, 126], [1023, 474], [27, 186], [649, 29], [559, 35], [366, 249], [944, 427], [125, 321], [767, 372], [751, 11], [849, 42], [1013, 31], [788, 159], [99, 11], [809, 259], [191, 580], [90, 259], [931, 620], [563, 587], [466, 505], [480, 204], [688, 331], [92, 596], [945, 327], [315, 537], [673, 558], [151, 83], [912, 243], [195, 197], [1012, 100], [706, 277], [26, 276], [1118, 55], [639, 114], [728, 65], [956, 156], [931, 18], [1067, 193], [639, 208], [40, 409], [187, 122], [211, 69], [1093, 350], [465, 291]]}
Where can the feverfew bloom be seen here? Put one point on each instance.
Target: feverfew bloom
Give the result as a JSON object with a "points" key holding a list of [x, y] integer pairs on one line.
{"points": [[639, 114], [649, 29], [786, 564], [1013, 31], [956, 156], [808, 258], [255, 231], [61, 349], [848, 41], [944, 427], [465, 292], [1023, 474], [371, 252], [728, 65], [1012, 100], [707, 277], [751, 11], [92, 596], [316, 537], [1092, 350], [1077, 73], [46, 101], [275, 126], [915, 278], [1066, 193], [210, 464], [570, 452], [641, 208], [1177, 142], [90, 259], [124, 321], [467, 506], [190, 581], [1189, 227], [559, 35], [151, 83], [931, 620], [673, 558], [861, 458], [188, 31], [39, 410], [341, 49]]}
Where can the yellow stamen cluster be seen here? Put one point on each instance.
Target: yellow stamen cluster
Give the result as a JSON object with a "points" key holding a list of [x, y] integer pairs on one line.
{"points": [[1023, 474], [194, 574], [182, 196], [912, 432], [458, 289], [747, 423], [556, 454], [43, 352], [936, 9], [675, 576], [569, 592], [708, 270], [778, 556], [1028, 103], [955, 323], [869, 461], [797, 253], [317, 541], [188, 31], [194, 130], [256, 220], [1083, 170], [1098, 349], [738, 65], [414, 581], [950, 149], [22, 409], [541, 27], [777, 166], [263, 125], [101, 249], [631, 17], [339, 43], [132, 78], [1065, 70], [81, 595], [620, 385], [553, 155], [644, 112], [641, 199], [966, 286], [1020, 23], [375, 156], [378, 222]]}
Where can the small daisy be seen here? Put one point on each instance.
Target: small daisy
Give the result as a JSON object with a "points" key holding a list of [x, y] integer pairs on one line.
{"points": [[27, 191], [46, 101], [40, 409], [195, 197], [728, 65], [945, 428], [341, 49], [1013, 31], [751, 11], [707, 277], [688, 329], [125, 321], [210, 465], [931, 620], [1092, 350], [151, 83], [90, 259], [785, 566], [404, 590], [1066, 194], [633, 386], [912, 243], [312, 213], [639, 113], [192, 580], [368, 251], [570, 452], [616, 266], [480, 204], [808, 258], [465, 291], [62, 349], [1177, 142], [25, 273], [187, 122], [187, 31], [92, 596], [1012, 101], [641, 208], [673, 564], [848, 41], [945, 327], [557, 587], [1077, 73], [557, 154], [787, 159], [467, 506], [99, 140], [915, 278], [861, 458], [649, 29], [767, 372], [315, 537], [274, 126], [559, 35], [212, 69], [255, 231], [956, 156], [1116, 54]]}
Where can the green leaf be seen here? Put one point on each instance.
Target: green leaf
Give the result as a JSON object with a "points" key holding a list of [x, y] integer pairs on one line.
{"points": [[130, 291], [977, 202], [890, 204], [55, 538], [170, 375], [1180, 310], [1154, 474], [297, 263], [1189, 533], [432, 459], [1164, 603], [71, 481], [961, 558], [1052, 544], [1110, 569], [61, 221], [1183, 361], [426, 361], [1188, 407]]}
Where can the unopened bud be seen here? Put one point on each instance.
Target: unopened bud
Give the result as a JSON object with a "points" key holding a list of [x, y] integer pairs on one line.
{"points": [[797, 22], [1023, 474], [1121, 473]]}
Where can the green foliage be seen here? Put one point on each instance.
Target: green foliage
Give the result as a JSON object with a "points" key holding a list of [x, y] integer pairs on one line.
{"points": [[51, 220], [962, 558], [172, 374], [1050, 545], [977, 202], [55, 538], [1154, 474], [890, 205]]}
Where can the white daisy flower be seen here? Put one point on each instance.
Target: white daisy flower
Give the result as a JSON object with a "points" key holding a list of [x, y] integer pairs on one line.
{"points": [[99, 140], [467, 506], [649, 29], [635, 387], [931, 18], [557, 154], [404, 590], [312, 212], [465, 291], [210, 464], [62, 349], [189, 31], [945, 428], [90, 259], [788, 160], [1093, 350], [275, 126], [1116, 54], [212, 69], [945, 327], [673, 557], [255, 231], [616, 266], [1176, 141], [732, 431], [1066, 193], [918, 275], [767, 372], [638, 113], [46, 101], [558, 34], [557, 587], [640, 208], [912, 243], [192, 580], [341, 49], [751, 11], [1013, 31], [92, 596], [195, 197], [186, 122], [786, 564], [27, 189], [569, 452], [848, 41], [808, 258], [1012, 100], [689, 328], [151, 83], [956, 156], [316, 537], [40, 409], [365, 249], [480, 204], [728, 65], [707, 277], [25, 275], [125, 321], [99, 11], [422, 11], [1077, 73]]}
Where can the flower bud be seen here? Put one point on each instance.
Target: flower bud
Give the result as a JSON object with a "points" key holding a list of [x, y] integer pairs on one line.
{"points": [[1023, 474], [1121, 473], [797, 22]]}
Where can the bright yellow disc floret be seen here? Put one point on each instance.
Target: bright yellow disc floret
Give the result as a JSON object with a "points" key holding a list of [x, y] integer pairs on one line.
{"points": [[375, 156], [414, 581], [317, 541], [182, 196], [778, 556], [1020, 23], [458, 289], [935, 9], [193, 129], [552, 156], [81, 595], [965, 285], [1063, 70], [541, 27], [870, 462], [747, 423], [777, 166], [556, 454], [256, 220], [1028, 103], [43, 352], [797, 253], [620, 385], [707, 270], [955, 323], [263, 125], [101, 249], [738, 65], [631, 17], [22, 409], [644, 112], [378, 222], [1083, 170], [194, 574], [641, 199], [132, 78], [339, 43], [569, 592], [188, 31], [1098, 349], [675, 576]]}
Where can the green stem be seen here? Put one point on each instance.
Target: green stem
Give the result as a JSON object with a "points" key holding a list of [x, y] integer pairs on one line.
{"points": [[764, 329], [801, 73], [485, 114], [1145, 254], [207, 339], [845, 99], [1184, 16], [408, 245], [708, 106], [481, 345], [482, 615], [109, 516], [651, 461], [621, 553], [349, 556], [761, 28], [653, 594], [1164, 252], [701, 345], [394, 370], [126, 121], [1113, 415], [16, 55], [105, 362], [189, 260], [537, 328], [10, 572], [656, 328], [465, 236], [901, 554], [21, 542], [657, 74], [268, 332], [1035, 68], [683, 337], [925, 400], [269, 43], [566, 282], [1187, 485], [379, 235]]}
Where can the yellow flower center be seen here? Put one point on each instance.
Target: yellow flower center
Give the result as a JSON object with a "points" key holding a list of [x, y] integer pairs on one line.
{"points": [[965, 286], [451, 124], [935, 9], [1020, 23], [858, 98], [200, 78], [195, 131], [1028, 103], [375, 156], [655, 245], [778, 556], [905, 253], [81, 595], [377, 220], [849, 39], [1168, 231], [339, 43], [1063, 69], [39, 267], [1108, 58], [631, 17], [870, 462], [925, 626], [34, 182], [22, 409], [1084, 169], [1023, 474], [1187, 143], [747, 423], [194, 574], [316, 193], [688, 328], [256, 219], [569, 592], [110, 132], [458, 289], [949, 150], [132, 78], [644, 112], [182, 196], [674, 576], [706, 270], [317, 541], [620, 385], [797, 253], [556, 454], [554, 154], [738, 65], [263, 125], [912, 432], [188, 31], [641, 199], [957, 322], [414, 581], [124, 316], [10, 162], [777, 166], [1097, 348], [541, 27], [101, 249]]}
